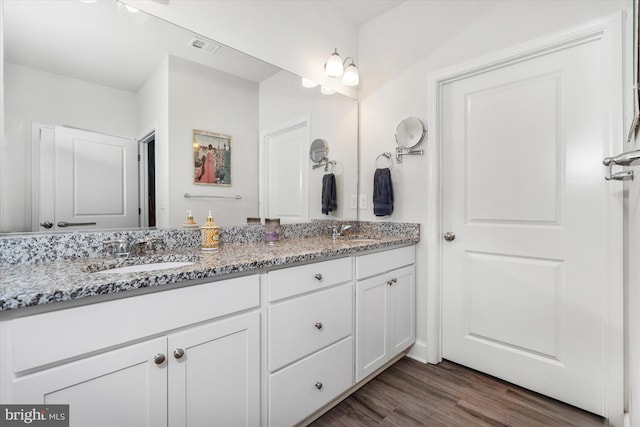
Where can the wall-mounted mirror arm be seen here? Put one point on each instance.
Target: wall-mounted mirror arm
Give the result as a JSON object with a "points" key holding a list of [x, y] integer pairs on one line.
{"points": [[400, 152]]}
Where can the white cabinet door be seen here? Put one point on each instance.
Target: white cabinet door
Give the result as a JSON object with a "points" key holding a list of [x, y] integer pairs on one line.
{"points": [[214, 374], [402, 307], [123, 387], [385, 318]]}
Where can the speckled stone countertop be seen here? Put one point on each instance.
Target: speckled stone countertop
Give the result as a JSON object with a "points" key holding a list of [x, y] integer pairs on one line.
{"points": [[25, 285]]}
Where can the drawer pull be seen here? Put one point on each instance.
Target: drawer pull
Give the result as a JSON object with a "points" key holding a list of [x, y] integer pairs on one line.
{"points": [[159, 359], [319, 385], [178, 353], [318, 325], [318, 277]]}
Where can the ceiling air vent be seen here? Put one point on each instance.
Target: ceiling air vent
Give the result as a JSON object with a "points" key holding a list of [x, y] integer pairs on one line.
{"points": [[204, 45]]}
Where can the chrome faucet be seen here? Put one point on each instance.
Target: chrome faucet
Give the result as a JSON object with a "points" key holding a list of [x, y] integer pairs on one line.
{"points": [[335, 233], [121, 248]]}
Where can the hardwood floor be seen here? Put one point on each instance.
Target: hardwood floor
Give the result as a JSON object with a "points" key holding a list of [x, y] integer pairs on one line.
{"points": [[410, 393]]}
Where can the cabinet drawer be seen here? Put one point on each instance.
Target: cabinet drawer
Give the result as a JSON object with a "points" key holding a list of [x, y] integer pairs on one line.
{"points": [[297, 280], [300, 326], [381, 262], [293, 393], [76, 331]]}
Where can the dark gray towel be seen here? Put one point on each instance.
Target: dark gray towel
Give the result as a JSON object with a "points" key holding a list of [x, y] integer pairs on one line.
{"points": [[329, 199], [382, 193]]}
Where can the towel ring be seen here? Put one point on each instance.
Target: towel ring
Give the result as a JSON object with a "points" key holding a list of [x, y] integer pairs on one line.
{"points": [[386, 155]]}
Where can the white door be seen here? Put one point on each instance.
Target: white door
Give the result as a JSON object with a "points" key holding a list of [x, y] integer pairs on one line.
{"points": [[286, 166], [524, 274], [214, 374], [124, 387], [96, 180]]}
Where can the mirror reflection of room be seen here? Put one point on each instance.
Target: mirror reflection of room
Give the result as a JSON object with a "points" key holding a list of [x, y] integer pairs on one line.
{"points": [[96, 103]]}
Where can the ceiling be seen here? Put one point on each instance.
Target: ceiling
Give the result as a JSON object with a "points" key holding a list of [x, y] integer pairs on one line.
{"points": [[362, 11], [104, 43]]}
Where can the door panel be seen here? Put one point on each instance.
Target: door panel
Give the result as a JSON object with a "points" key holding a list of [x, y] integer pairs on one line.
{"points": [[523, 281], [287, 170], [96, 179]]}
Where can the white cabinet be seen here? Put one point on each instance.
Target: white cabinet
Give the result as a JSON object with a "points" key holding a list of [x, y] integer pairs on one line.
{"points": [[385, 308], [186, 376], [310, 338]]}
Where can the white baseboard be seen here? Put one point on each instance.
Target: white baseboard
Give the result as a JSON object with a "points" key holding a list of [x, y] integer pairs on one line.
{"points": [[418, 351]]}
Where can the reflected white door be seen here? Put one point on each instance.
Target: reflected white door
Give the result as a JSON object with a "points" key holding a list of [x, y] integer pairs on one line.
{"points": [[96, 180], [524, 276], [286, 157]]}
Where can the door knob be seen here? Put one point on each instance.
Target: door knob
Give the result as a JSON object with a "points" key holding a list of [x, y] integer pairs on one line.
{"points": [[159, 359], [449, 236], [46, 224], [178, 353]]}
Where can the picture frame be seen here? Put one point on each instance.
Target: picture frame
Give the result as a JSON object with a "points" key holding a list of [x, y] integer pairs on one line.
{"points": [[211, 158]]}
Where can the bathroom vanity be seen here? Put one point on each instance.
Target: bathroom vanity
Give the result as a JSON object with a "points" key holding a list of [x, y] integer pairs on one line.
{"points": [[250, 335]]}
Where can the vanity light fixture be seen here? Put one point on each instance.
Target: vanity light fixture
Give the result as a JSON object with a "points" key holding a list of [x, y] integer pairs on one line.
{"points": [[308, 83], [335, 67], [351, 77]]}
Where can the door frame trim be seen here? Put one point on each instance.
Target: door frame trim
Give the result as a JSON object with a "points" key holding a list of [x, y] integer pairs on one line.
{"points": [[609, 29]]}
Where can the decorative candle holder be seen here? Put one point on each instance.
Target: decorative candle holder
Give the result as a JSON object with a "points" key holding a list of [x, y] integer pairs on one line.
{"points": [[272, 230]]}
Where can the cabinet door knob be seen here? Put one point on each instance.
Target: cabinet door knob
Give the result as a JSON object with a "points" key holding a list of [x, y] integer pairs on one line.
{"points": [[319, 385], [449, 236], [318, 277], [178, 353], [159, 359], [318, 325]]}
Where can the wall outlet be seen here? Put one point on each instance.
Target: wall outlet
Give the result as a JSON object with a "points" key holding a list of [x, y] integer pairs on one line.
{"points": [[354, 201], [363, 201]]}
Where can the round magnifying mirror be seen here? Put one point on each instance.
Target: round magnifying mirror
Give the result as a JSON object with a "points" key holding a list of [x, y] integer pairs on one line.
{"points": [[410, 132], [318, 150]]}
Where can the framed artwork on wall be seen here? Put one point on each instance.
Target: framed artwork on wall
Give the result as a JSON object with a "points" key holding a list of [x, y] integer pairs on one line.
{"points": [[211, 158]]}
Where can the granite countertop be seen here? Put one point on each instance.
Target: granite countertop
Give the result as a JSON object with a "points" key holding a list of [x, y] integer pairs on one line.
{"points": [[26, 285]]}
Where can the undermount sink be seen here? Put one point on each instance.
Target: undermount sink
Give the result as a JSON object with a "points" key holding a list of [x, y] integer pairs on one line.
{"points": [[146, 267]]}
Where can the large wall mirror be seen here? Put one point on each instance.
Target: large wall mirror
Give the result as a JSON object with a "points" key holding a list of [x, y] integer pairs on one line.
{"points": [[101, 102]]}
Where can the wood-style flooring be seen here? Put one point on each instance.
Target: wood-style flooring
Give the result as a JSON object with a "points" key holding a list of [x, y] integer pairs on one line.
{"points": [[410, 393]]}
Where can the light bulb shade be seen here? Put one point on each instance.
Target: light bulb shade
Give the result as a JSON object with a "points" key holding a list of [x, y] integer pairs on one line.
{"points": [[308, 83], [327, 90], [351, 77], [334, 67]]}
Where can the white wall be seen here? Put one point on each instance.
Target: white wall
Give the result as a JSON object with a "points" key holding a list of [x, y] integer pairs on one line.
{"points": [[34, 96], [334, 118], [153, 115], [206, 99], [397, 52], [297, 36]]}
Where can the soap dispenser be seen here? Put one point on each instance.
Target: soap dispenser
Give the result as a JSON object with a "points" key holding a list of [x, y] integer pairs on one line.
{"points": [[209, 235], [190, 223]]}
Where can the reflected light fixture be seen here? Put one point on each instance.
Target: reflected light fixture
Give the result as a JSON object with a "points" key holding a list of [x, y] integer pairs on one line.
{"points": [[335, 67], [308, 83], [327, 90]]}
